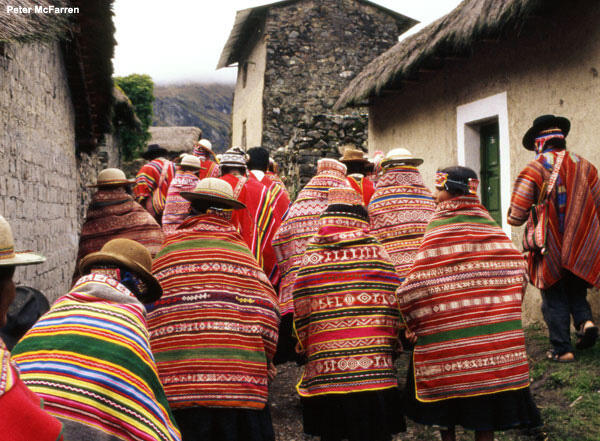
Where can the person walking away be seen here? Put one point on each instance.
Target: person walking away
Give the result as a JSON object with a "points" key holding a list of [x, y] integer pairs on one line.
{"points": [[462, 304], [89, 357], [113, 214], [300, 224], [22, 417], [176, 207], [357, 167], [571, 263], [400, 208], [209, 166], [214, 331], [347, 323], [153, 180]]}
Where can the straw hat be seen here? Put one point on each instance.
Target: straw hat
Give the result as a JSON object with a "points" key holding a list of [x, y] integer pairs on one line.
{"points": [[190, 161], [8, 255], [111, 176], [234, 157], [400, 155], [129, 254], [352, 154], [213, 190]]}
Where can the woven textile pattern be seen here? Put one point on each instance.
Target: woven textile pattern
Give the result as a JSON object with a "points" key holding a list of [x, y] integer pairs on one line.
{"points": [[400, 209], [573, 247], [114, 214], [215, 328], [89, 359], [148, 178], [463, 299], [363, 186], [345, 311], [300, 224], [176, 207]]}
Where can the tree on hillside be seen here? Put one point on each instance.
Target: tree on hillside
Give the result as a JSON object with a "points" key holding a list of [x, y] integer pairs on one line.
{"points": [[140, 90]]}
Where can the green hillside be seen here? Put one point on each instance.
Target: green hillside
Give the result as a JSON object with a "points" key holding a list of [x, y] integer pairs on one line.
{"points": [[203, 105]]}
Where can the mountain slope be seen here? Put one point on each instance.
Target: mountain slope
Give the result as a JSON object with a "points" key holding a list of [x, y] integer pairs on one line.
{"points": [[207, 106]]}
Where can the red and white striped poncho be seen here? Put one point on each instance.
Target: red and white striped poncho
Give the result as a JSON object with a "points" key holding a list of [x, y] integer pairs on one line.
{"points": [[463, 297], [177, 208]]}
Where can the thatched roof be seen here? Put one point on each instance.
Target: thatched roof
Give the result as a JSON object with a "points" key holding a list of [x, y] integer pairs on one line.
{"points": [[248, 21], [450, 36], [87, 43], [32, 27], [175, 139]]}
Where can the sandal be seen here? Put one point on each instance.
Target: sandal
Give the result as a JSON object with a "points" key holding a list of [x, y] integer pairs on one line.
{"points": [[586, 337], [558, 358]]}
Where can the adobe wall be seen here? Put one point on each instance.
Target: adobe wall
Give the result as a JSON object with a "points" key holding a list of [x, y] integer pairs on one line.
{"points": [[42, 179], [548, 69]]}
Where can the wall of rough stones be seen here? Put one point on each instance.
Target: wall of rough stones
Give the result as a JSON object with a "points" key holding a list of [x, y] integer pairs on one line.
{"points": [[316, 47], [42, 178], [316, 137]]}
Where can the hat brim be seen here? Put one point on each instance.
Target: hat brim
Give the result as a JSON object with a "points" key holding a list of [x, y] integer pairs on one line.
{"points": [[199, 197], [23, 258], [363, 160], [154, 291], [558, 121], [411, 161], [113, 184], [154, 153]]}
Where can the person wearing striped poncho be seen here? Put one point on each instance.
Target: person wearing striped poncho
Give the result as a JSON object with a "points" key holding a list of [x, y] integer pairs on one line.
{"points": [[89, 357], [347, 322], [462, 304], [214, 331]]}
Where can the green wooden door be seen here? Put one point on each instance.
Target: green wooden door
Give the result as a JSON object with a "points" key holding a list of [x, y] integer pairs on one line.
{"points": [[490, 170]]}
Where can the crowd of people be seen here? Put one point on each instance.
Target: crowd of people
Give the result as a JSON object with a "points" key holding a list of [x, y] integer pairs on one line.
{"points": [[189, 291]]}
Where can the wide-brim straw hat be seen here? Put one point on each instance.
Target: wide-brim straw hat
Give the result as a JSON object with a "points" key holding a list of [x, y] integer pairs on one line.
{"points": [[190, 161], [8, 255], [542, 123], [131, 255], [400, 155], [153, 151], [213, 190], [354, 155], [111, 176]]}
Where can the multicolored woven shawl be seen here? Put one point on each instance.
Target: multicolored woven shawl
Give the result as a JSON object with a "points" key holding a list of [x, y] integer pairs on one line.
{"points": [[89, 359], [214, 331], [21, 414], [155, 175], [400, 209], [114, 214], [573, 236], [345, 310], [176, 207], [463, 299], [301, 223]]}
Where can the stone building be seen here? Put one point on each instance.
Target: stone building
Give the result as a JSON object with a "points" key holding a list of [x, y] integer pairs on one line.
{"points": [[471, 83], [56, 97], [294, 58]]}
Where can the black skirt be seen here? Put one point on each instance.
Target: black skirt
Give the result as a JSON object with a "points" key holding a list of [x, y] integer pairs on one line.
{"points": [[221, 424], [499, 411], [360, 416]]}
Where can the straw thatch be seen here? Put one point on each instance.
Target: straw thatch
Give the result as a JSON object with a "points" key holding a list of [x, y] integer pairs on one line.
{"points": [[450, 36], [175, 139], [32, 27], [248, 23]]}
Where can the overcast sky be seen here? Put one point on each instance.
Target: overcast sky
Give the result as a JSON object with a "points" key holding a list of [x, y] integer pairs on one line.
{"points": [[181, 40]]}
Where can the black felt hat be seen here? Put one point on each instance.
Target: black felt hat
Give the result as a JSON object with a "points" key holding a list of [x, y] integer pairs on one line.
{"points": [[542, 123], [154, 151]]}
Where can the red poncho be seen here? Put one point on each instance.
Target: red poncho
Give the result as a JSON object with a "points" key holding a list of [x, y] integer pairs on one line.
{"points": [[463, 297], [152, 184]]}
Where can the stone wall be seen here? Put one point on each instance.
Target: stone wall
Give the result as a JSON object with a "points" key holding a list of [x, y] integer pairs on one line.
{"points": [[313, 49], [316, 137], [42, 179]]}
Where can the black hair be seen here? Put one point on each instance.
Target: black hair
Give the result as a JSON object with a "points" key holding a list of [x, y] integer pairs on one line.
{"points": [[358, 211], [555, 143], [259, 159], [355, 167], [7, 272], [458, 179], [225, 169]]}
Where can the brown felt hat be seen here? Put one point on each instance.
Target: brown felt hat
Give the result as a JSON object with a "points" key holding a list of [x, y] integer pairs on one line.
{"points": [[129, 254], [352, 154]]}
